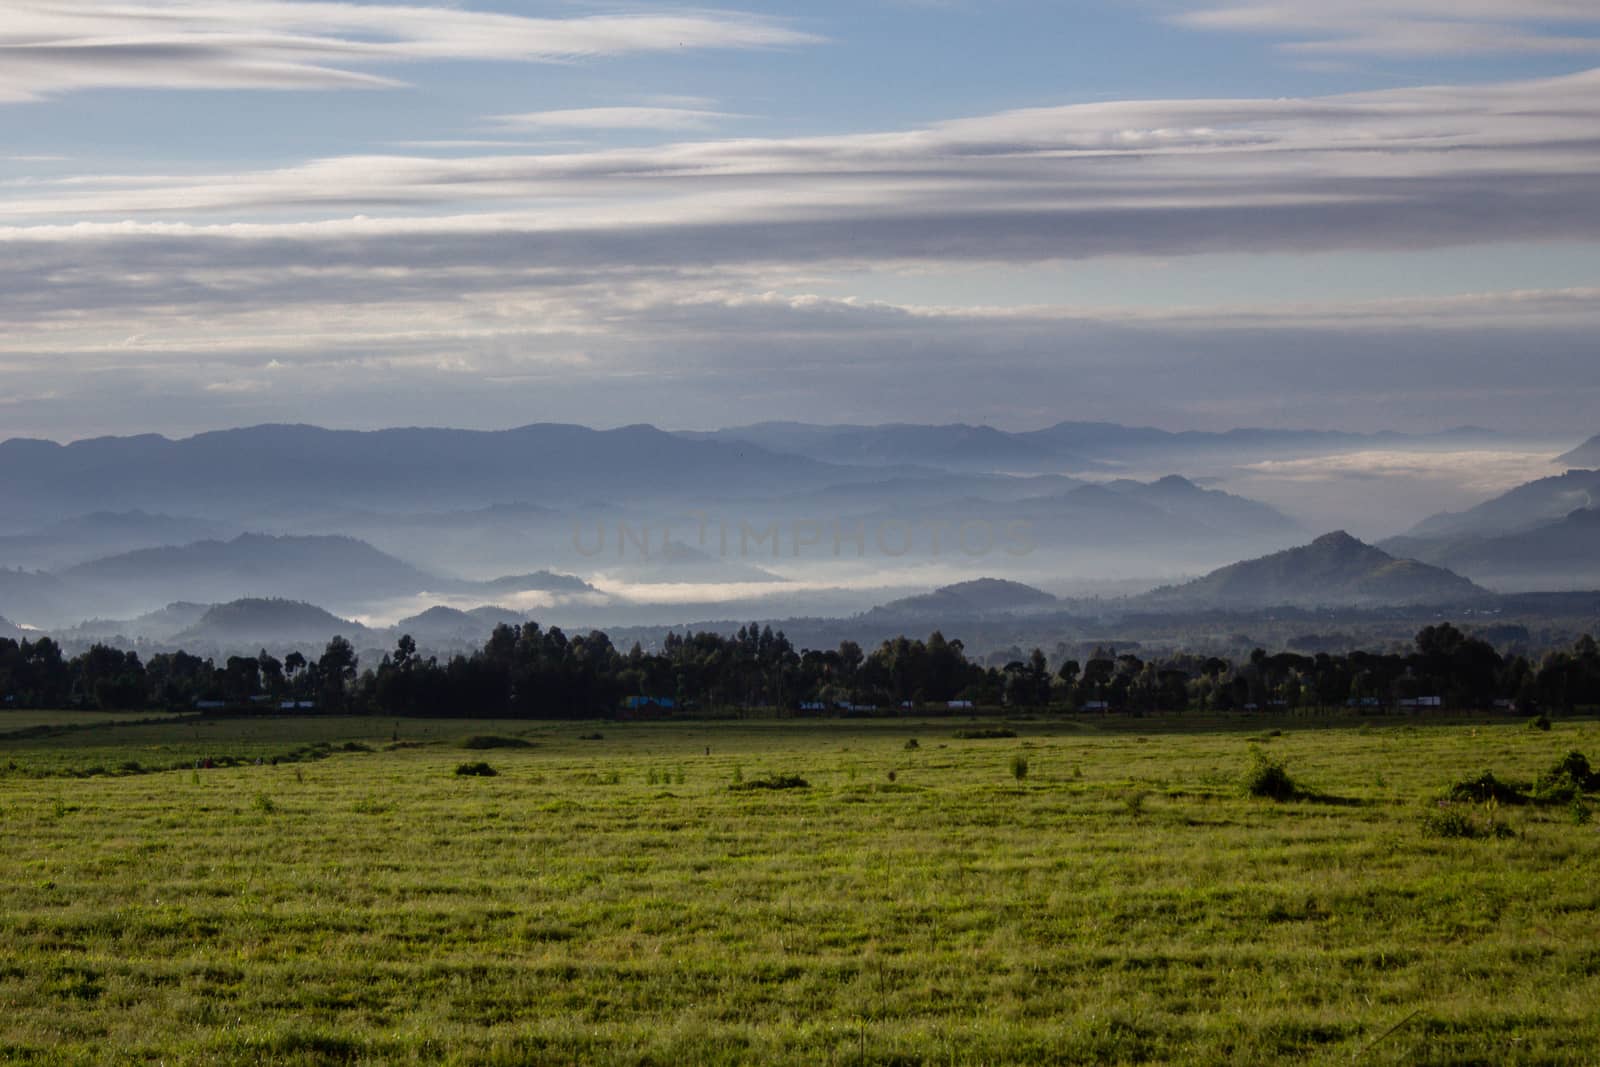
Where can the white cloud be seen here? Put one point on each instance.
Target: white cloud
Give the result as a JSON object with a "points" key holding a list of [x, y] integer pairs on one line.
{"points": [[617, 118], [1414, 27], [49, 47], [675, 278]]}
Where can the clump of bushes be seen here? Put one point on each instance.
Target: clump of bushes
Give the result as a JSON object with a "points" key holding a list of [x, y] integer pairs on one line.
{"points": [[1541, 723], [1456, 821], [773, 781], [989, 734], [1268, 777], [476, 770], [488, 741], [1567, 781], [1485, 787], [911, 744], [1019, 767]]}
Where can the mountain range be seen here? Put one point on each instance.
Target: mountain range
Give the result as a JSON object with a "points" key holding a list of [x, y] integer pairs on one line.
{"points": [[335, 571]]}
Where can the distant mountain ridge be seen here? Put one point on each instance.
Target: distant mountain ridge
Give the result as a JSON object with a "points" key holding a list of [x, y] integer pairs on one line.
{"points": [[259, 469], [1524, 507], [1562, 554], [1334, 570], [1064, 445], [1585, 455]]}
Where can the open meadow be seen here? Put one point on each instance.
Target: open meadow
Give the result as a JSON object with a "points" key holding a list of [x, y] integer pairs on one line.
{"points": [[633, 893]]}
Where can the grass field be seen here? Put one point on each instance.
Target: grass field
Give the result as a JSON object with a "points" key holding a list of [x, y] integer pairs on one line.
{"points": [[614, 900]]}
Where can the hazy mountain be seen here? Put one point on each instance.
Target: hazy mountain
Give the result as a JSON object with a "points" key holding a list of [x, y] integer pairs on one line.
{"points": [[966, 600], [1064, 446], [1213, 508], [1586, 455], [952, 446], [160, 625], [449, 627], [1170, 517], [263, 621], [537, 582], [1334, 570], [1532, 504], [329, 569], [33, 598], [104, 533], [1559, 555], [300, 469]]}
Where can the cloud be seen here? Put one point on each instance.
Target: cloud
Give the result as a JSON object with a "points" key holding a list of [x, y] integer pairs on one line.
{"points": [[617, 118], [1401, 169], [48, 47], [1413, 27], [683, 277], [1486, 471]]}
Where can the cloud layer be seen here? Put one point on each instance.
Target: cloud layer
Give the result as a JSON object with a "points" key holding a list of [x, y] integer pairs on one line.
{"points": [[691, 277], [1413, 27], [49, 47]]}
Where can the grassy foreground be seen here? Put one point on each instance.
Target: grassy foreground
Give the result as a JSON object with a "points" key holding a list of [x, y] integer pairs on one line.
{"points": [[613, 900]]}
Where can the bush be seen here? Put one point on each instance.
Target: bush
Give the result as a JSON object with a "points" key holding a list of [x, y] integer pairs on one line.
{"points": [[1452, 821], [1541, 723], [476, 770], [1485, 787], [1268, 777], [1567, 781], [487, 741], [911, 744], [991, 734], [775, 781], [1019, 766]]}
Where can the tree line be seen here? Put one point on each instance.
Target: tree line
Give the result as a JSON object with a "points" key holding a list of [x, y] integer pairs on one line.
{"points": [[529, 671]]}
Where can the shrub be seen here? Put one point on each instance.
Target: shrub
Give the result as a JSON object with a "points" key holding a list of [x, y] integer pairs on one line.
{"points": [[911, 744], [990, 734], [476, 770], [1268, 777], [1580, 812], [1567, 781], [591, 737], [1541, 723], [264, 804], [1452, 821], [775, 781], [487, 741], [1019, 766], [1485, 787]]}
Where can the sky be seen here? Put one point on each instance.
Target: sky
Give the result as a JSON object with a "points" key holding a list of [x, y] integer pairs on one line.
{"points": [[1358, 214]]}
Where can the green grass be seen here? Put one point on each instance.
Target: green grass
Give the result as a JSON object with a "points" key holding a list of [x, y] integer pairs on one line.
{"points": [[615, 901]]}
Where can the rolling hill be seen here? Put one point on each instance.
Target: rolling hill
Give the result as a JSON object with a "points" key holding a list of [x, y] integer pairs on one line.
{"points": [[968, 600], [1334, 570], [269, 621]]}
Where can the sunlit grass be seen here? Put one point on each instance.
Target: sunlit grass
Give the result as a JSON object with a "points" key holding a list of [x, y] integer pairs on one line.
{"points": [[613, 900]]}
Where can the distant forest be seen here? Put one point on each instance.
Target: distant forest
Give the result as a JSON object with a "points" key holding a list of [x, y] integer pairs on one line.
{"points": [[529, 672]]}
